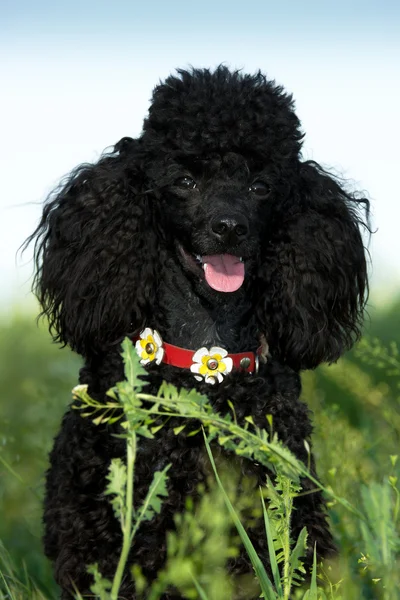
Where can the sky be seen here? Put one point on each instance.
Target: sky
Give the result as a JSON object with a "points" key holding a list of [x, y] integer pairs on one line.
{"points": [[75, 77]]}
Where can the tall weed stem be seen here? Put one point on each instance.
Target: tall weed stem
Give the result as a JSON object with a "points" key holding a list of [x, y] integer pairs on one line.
{"points": [[127, 525]]}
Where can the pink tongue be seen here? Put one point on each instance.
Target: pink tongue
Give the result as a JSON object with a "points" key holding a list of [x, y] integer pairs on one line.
{"points": [[224, 272]]}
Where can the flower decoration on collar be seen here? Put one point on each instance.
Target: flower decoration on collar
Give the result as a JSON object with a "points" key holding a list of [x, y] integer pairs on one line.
{"points": [[211, 365], [150, 347]]}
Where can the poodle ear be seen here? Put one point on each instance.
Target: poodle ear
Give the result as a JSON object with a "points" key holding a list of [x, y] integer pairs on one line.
{"points": [[314, 275], [96, 252]]}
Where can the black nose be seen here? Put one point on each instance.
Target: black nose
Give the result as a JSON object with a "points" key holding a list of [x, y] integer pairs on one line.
{"points": [[230, 230]]}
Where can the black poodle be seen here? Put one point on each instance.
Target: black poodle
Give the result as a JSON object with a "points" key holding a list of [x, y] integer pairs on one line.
{"points": [[231, 263]]}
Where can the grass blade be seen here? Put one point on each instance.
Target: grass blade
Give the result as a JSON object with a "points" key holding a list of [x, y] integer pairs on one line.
{"points": [[312, 593], [265, 583], [272, 555], [199, 589]]}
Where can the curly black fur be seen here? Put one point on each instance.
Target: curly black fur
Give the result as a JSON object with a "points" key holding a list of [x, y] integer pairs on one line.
{"points": [[115, 252]]}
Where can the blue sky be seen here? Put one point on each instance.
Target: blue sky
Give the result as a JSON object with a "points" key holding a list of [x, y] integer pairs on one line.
{"points": [[160, 16], [77, 76]]}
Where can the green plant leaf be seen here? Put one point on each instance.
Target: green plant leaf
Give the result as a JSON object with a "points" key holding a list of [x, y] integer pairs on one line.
{"points": [[296, 569], [101, 586], [312, 593], [153, 501], [199, 589], [177, 430], [272, 556], [132, 368], [117, 478], [265, 583], [381, 539]]}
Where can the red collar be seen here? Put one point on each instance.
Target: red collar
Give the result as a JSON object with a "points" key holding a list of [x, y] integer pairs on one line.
{"points": [[212, 364], [182, 358]]}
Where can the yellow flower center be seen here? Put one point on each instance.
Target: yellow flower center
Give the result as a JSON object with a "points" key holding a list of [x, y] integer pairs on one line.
{"points": [[149, 348], [212, 364]]}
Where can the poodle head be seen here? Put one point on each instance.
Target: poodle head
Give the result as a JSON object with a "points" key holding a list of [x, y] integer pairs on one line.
{"points": [[218, 141], [215, 183]]}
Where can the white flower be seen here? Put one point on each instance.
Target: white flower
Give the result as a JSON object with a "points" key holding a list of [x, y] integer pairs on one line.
{"points": [[149, 347], [211, 365]]}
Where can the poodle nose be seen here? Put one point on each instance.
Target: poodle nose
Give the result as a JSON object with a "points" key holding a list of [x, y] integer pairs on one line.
{"points": [[230, 230]]}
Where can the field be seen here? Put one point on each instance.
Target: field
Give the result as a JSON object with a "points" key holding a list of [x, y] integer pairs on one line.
{"points": [[356, 405]]}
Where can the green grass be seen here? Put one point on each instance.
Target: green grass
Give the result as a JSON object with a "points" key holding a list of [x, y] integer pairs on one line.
{"points": [[356, 406], [35, 382]]}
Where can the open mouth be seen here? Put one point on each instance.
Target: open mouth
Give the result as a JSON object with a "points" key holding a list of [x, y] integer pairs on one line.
{"points": [[222, 272]]}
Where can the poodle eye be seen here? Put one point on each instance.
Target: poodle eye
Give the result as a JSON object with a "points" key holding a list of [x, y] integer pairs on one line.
{"points": [[259, 188], [186, 183]]}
